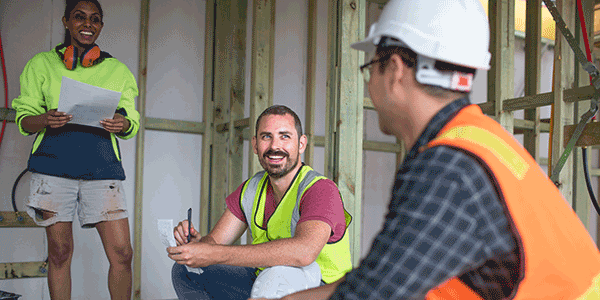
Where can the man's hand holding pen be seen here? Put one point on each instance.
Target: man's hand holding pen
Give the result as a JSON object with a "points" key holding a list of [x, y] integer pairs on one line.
{"points": [[185, 230]]}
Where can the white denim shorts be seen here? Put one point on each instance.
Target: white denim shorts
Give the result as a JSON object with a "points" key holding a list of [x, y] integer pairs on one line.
{"points": [[93, 200]]}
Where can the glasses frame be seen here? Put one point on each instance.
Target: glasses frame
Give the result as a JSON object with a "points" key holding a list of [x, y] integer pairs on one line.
{"points": [[366, 68]]}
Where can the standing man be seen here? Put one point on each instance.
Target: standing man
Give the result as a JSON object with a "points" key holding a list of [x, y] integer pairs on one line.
{"points": [[296, 218], [472, 215]]}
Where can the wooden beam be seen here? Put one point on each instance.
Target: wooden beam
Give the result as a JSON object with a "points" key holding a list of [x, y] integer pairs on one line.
{"points": [[238, 16], [533, 37], [19, 270], [523, 126], [581, 204], [563, 111], [8, 114], [570, 95], [368, 145], [139, 151], [589, 137], [381, 2], [501, 73], [158, 124], [16, 219], [311, 81], [261, 78], [207, 109], [226, 154], [237, 124], [174, 126], [344, 138], [331, 96], [220, 111], [368, 104]]}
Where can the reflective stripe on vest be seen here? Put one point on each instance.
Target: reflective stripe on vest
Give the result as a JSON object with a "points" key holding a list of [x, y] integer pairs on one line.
{"points": [[334, 259], [559, 258]]}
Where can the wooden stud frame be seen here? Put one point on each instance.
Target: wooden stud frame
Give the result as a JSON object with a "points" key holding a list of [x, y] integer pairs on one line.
{"points": [[139, 150], [16, 270], [16, 219], [344, 121], [581, 203], [207, 108], [21, 270], [502, 46], [261, 85], [533, 37], [311, 82], [344, 137], [227, 104], [563, 111]]}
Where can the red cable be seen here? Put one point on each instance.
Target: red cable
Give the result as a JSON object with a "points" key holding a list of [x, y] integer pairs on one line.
{"points": [[585, 34], [5, 89], [586, 41]]}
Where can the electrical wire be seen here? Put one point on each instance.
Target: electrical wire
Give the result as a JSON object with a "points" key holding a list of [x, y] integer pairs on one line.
{"points": [[584, 150], [587, 180], [584, 32], [14, 189], [5, 89], [14, 204]]}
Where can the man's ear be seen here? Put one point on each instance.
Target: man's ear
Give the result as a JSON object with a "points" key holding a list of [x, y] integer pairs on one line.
{"points": [[254, 147], [302, 144], [397, 66]]}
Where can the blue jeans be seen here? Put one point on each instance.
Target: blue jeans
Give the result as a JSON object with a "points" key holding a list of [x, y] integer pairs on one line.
{"points": [[217, 282]]}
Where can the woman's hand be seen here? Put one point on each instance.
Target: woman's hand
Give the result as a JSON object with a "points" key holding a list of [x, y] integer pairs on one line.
{"points": [[115, 125], [51, 118], [55, 119]]}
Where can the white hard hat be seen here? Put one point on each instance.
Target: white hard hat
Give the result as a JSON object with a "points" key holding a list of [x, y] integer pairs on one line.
{"points": [[452, 31], [279, 281]]}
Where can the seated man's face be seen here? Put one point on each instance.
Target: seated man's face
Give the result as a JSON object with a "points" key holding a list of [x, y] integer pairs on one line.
{"points": [[277, 145]]}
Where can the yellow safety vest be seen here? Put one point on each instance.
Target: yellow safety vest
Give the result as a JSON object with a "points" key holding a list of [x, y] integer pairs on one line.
{"points": [[334, 259]]}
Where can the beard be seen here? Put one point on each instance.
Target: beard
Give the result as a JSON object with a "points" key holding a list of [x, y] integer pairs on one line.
{"points": [[279, 170]]}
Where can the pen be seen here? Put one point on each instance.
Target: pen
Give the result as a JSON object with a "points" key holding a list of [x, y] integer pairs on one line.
{"points": [[189, 225]]}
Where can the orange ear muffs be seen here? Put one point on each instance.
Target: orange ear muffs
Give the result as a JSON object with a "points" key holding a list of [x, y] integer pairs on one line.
{"points": [[90, 56], [70, 57]]}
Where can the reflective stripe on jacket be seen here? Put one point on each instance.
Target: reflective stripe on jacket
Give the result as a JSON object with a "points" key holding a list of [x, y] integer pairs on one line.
{"points": [[559, 258], [334, 259]]}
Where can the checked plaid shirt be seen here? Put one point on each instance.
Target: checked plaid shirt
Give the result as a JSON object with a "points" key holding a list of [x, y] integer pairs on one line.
{"points": [[444, 220]]}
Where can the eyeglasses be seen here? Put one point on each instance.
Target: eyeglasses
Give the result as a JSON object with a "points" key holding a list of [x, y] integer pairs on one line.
{"points": [[366, 68]]}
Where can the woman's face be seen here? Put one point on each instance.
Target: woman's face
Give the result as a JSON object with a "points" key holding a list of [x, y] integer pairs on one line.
{"points": [[84, 24]]}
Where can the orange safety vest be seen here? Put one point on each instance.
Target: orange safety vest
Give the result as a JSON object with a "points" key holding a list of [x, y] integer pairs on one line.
{"points": [[559, 260]]}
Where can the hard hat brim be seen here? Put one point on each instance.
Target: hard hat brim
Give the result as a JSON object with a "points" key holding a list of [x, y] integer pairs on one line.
{"points": [[365, 45]]}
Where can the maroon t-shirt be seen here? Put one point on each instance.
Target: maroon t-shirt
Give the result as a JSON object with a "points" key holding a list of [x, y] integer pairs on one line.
{"points": [[320, 202]]}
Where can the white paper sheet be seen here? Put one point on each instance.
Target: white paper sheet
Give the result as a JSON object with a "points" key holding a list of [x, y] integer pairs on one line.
{"points": [[87, 103], [165, 229]]}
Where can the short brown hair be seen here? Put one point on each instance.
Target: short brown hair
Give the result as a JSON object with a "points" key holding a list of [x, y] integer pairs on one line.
{"points": [[280, 110]]}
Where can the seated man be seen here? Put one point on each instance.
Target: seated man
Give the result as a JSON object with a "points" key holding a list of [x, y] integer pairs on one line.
{"points": [[296, 217]]}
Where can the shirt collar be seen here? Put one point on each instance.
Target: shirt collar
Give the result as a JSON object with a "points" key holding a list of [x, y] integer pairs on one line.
{"points": [[437, 123]]}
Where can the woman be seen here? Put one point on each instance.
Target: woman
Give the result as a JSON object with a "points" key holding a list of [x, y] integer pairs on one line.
{"points": [[78, 167]]}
